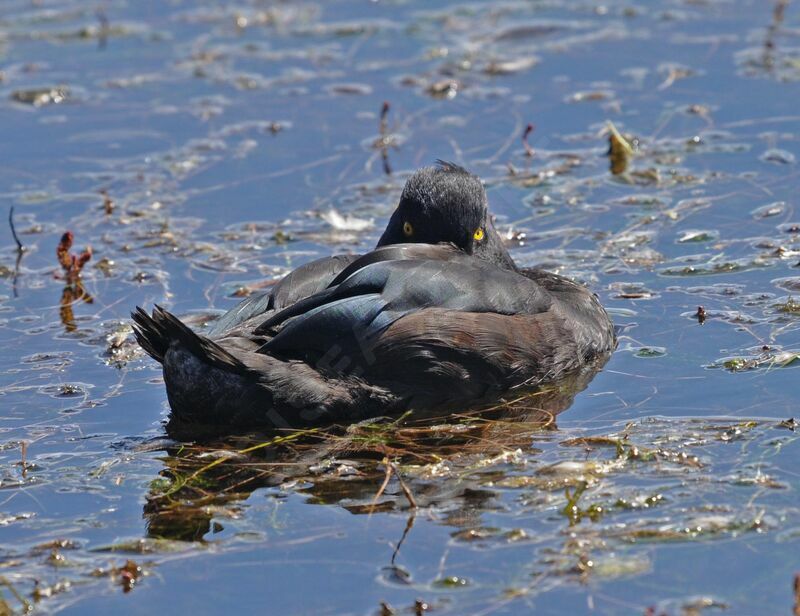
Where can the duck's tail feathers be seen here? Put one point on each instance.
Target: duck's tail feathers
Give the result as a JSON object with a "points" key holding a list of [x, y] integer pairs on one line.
{"points": [[157, 332], [150, 334]]}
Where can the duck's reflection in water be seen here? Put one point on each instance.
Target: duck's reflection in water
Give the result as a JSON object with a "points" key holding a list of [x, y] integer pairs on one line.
{"points": [[382, 465]]}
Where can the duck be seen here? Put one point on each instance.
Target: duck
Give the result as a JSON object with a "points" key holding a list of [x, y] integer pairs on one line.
{"points": [[437, 318]]}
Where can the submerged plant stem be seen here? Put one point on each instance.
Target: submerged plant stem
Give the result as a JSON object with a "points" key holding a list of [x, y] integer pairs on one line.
{"points": [[20, 247]]}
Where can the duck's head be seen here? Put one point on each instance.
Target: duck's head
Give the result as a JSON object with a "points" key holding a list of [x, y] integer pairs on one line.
{"points": [[447, 203]]}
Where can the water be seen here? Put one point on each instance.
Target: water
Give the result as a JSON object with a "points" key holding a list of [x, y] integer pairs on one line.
{"points": [[222, 133]]}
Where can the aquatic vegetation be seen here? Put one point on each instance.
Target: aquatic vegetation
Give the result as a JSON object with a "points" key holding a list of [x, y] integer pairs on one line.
{"points": [[204, 150], [620, 150], [72, 264], [39, 97]]}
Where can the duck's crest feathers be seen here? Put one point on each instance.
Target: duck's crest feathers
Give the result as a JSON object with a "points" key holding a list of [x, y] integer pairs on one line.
{"points": [[444, 165]]}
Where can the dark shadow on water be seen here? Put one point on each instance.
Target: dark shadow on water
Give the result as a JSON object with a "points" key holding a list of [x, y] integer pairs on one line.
{"points": [[358, 467]]}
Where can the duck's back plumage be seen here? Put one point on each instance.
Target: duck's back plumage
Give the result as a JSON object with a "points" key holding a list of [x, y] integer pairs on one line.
{"points": [[297, 284], [404, 327]]}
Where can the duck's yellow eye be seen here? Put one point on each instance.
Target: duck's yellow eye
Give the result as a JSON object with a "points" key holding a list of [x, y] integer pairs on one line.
{"points": [[478, 235], [408, 229]]}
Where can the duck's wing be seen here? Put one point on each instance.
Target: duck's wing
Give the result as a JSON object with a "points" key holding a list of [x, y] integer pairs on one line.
{"points": [[577, 304], [347, 319], [401, 252], [298, 284], [363, 284], [437, 357]]}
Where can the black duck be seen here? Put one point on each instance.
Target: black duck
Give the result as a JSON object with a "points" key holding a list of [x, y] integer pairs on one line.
{"points": [[438, 317]]}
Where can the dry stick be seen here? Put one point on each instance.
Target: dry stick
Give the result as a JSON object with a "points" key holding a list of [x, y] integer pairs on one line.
{"points": [[108, 202], [384, 125], [24, 448], [25, 603], [528, 130], [20, 250], [383, 128], [20, 247], [403, 485], [385, 483]]}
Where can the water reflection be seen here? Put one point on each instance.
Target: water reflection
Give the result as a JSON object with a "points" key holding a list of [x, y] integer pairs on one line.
{"points": [[778, 14], [221, 136], [72, 293], [20, 251], [384, 465]]}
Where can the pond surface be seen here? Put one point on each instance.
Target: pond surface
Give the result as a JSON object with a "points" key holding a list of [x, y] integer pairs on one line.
{"points": [[204, 148]]}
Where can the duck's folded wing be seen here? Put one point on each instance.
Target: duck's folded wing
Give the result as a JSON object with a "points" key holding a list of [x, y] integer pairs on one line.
{"points": [[401, 252], [371, 277], [298, 284], [437, 357], [343, 323]]}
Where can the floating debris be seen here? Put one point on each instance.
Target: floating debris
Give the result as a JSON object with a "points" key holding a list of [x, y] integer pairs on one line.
{"points": [[650, 352], [446, 88], [700, 315], [108, 202], [776, 155], [674, 72], [770, 209], [790, 306], [767, 359], [40, 97], [590, 96], [350, 89], [508, 67], [620, 150], [698, 236], [347, 222]]}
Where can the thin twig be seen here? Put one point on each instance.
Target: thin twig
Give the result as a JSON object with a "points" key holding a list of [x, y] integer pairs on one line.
{"points": [[383, 127], [25, 603], [20, 247], [20, 250], [403, 485], [528, 130], [385, 483], [24, 451]]}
